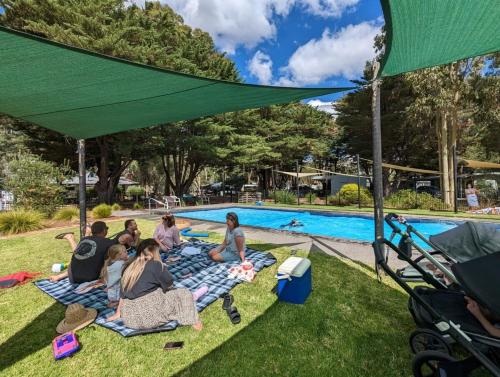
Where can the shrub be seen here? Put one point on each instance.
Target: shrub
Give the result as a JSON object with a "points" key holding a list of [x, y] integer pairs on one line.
{"points": [[20, 221], [137, 206], [333, 200], [135, 191], [311, 197], [284, 197], [67, 214], [116, 207], [348, 194], [408, 199], [35, 183], [101, 211]]}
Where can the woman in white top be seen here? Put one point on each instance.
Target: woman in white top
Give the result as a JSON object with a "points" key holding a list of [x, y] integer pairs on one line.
{"points": [[233, 247], [471, 195]]}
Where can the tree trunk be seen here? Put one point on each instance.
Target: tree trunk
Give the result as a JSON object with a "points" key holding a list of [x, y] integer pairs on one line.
{"points": [[108, 179], [445, 158], [165, 160], [437, 121]]}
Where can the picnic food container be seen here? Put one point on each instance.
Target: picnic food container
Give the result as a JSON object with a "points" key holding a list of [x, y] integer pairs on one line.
{"points": [[294, 280]]}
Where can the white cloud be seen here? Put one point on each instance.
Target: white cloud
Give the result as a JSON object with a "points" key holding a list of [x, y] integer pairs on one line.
{"points": [[233, 23], [329, 8], [322, 106], [261, 66], [343, 53]]}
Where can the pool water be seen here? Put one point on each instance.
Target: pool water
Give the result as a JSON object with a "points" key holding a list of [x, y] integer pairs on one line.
{"points": [[353, 227]]}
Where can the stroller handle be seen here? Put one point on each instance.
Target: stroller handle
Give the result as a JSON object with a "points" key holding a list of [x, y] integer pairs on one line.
{"points": [[389, 219]]}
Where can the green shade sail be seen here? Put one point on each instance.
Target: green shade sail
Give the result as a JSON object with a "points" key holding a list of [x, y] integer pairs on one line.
{"points": [[426, 33], [84, 94]]}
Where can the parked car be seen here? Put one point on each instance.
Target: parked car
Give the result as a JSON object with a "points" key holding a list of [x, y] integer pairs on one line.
{"points": [[303, 190], [433, 190], [251, 187]]}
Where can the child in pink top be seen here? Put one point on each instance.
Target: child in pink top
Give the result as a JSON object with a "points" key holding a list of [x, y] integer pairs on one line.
{"points": [[167, 234]]}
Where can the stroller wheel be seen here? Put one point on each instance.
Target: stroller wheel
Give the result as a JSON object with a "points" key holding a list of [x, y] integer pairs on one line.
{"points": [[432, 364], [428, 340]]}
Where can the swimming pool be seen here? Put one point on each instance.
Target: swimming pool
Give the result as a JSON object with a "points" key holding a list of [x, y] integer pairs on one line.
{"points": [[353, 227]]}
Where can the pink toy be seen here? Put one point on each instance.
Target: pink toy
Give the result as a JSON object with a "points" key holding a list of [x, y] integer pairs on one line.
{"points": [[65, 345]]}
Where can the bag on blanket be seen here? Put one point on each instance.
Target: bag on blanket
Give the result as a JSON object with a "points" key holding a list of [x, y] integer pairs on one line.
{"points": [[244, 271]]}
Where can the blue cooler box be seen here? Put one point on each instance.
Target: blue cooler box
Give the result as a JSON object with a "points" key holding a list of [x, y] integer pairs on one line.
{"points": [[294, 280]]}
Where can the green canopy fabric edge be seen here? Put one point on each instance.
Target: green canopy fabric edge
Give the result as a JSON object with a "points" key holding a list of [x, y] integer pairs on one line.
{"points": [[383, 71], [293, 93]]}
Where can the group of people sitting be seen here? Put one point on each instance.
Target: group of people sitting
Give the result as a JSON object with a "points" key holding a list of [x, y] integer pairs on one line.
{"points": [[137, 282]]}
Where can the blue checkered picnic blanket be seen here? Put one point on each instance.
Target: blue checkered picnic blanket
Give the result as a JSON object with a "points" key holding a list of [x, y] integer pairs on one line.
{"points": [[204, 272]]}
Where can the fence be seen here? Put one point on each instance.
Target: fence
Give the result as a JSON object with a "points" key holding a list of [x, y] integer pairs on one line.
{"points": [[402, 199]]}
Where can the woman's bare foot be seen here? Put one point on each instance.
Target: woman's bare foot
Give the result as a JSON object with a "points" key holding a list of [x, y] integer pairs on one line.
{"points": [[114, 317], [198, 326], [112, 304]]}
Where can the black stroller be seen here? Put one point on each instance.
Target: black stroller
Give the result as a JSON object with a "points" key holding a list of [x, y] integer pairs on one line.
{"points": [[441, 314], [467, 241]]}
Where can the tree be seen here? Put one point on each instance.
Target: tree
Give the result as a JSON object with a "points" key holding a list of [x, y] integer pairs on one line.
{"points": [[480, 136], [405, 142], [36, 184], [13, 144], [155, 35]]}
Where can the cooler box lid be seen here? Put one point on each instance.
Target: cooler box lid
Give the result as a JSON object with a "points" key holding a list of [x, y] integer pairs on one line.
{"points": [[294, 266]]}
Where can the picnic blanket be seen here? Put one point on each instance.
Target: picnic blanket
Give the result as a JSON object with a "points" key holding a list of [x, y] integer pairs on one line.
{"points": [[203, 271]]}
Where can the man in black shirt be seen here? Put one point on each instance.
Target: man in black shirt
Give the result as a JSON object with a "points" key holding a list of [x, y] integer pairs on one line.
{"points": [[132, 230], [88, 256]]}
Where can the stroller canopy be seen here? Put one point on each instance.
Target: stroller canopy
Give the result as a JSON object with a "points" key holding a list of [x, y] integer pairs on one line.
{"points": [[480, 279], [468, 241]]}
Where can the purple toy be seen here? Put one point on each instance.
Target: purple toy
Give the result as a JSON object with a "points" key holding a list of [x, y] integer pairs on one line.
{"points": [[65, 345]]}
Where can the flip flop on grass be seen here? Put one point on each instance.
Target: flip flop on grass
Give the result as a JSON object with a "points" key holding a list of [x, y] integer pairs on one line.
{"points": [[61, 236], [234, 315], [228, 301]]}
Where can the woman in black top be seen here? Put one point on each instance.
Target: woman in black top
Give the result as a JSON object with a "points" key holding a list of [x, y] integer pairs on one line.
{"points": [[148, 299]]}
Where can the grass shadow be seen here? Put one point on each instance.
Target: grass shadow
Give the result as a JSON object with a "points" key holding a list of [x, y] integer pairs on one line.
{"points": [[348, 327], [38, 334]]}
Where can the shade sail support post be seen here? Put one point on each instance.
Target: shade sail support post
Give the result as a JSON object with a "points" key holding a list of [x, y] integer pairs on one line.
{"points": [[359, 181], [378, 194], [298, 191], [81, 187], [455, 179]]}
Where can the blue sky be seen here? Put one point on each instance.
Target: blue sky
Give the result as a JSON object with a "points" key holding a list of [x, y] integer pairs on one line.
{"points": [[312, 43]]}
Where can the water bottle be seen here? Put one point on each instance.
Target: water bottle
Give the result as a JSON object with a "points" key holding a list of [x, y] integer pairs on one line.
{"points": [[57, 267]]}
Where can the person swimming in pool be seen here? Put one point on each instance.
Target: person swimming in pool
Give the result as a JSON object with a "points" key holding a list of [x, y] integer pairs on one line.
{"points": [[293, 224]]}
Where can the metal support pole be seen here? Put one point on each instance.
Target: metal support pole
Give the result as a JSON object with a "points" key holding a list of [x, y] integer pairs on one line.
{"points": [[455, 179], [82, 186], [274, 184], [378, 188], [223, 182], [359, 182], [298, 191]]}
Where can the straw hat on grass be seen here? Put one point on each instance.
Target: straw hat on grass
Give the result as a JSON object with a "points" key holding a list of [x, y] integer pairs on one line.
{"points": [[76, 318]]}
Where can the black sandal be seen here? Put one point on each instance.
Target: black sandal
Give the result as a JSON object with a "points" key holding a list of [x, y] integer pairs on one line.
{"points": [[228, 301], [61, 236], [234, 315]]}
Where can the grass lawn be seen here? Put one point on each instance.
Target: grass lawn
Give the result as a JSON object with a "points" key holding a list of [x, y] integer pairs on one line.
{"points": [[350, 326], [415, 212]]}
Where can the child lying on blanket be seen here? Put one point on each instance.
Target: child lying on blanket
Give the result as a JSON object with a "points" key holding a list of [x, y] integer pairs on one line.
{"points": [[112, 272]]}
